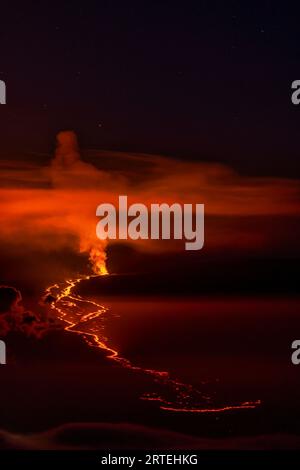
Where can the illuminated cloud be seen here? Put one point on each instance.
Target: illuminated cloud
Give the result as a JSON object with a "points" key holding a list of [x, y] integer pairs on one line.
{"points": [[43, 206], [13, 316]]}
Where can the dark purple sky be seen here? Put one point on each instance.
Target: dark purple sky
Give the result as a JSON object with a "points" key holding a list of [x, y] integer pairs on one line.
{"points": [[205, 80]]}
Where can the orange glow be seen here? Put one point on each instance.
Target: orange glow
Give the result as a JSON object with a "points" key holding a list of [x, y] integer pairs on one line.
{"points": [[243, 406], [97, 258]]}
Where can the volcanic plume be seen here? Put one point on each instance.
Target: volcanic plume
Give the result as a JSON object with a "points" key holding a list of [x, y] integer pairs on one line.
{"points": [[52, 206]]}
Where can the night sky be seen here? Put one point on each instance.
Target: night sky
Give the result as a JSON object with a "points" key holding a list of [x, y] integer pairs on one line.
{"points": [[204, 80]]}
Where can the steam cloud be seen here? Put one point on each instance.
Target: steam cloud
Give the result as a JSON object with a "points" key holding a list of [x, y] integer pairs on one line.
{"points": [[56, 204]]}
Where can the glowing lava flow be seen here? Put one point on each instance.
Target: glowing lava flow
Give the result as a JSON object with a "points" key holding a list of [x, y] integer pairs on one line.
{"points": [[87, 318]]}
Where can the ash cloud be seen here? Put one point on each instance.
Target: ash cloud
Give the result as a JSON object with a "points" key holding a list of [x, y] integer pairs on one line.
{"points": [[54, 206], [14, 317]]}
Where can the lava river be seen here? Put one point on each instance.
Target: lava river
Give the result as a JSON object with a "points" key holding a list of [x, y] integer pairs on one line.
{"points": [[87, 317]]}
